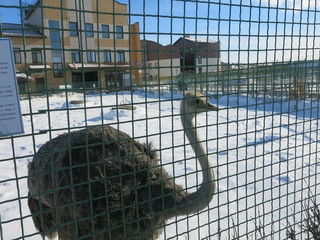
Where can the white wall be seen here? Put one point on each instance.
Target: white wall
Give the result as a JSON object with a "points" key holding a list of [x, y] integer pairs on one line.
{"points": [[163, 68], [168, 68], [207, 65]]}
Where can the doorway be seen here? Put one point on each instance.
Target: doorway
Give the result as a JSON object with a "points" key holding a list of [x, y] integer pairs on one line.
{"points": [[85, 79], [114, 79], [188, 62], [40, 85]]}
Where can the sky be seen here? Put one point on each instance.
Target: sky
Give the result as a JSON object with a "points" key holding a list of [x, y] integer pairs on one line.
{"points": [[249, 31]]}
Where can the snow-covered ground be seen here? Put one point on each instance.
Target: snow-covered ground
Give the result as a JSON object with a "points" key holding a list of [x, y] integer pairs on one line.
{"points": [[265, 150]]}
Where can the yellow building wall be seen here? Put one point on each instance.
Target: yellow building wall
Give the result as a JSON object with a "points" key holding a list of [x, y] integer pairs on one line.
{"points": [[28, 41], [110, 12]]}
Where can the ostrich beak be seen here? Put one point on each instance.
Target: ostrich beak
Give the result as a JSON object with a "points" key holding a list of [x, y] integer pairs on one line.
{"points": [[212, 107]]}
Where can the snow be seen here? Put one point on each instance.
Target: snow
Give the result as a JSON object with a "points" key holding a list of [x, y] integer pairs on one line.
{"points": [[264, 150]]}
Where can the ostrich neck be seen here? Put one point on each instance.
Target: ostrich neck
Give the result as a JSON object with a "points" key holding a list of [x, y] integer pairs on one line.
{"points": [[200, 199]]}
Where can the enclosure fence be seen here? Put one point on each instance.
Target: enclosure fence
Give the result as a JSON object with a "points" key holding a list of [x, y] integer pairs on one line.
{"points": [[172, 119]]}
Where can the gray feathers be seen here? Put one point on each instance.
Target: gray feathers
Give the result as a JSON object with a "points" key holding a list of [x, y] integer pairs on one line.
{"points": [[107, 185]]}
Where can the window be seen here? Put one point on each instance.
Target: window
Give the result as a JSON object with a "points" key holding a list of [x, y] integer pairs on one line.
{"points": [[119, 32], [56, 56], [76, 57], [120, 57], [105, 31], [57, 70], [55, 41], [107, 56], [199, 60], [73, 29], [54, 31], [17, 55], [36, 56], [89, 30], [91, 56]]}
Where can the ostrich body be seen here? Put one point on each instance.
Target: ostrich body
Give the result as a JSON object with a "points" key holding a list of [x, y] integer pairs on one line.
{"points": [[100, 184]]}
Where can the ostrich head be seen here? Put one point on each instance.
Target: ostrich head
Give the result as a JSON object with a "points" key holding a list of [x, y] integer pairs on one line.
{"points": [[194, 103]]}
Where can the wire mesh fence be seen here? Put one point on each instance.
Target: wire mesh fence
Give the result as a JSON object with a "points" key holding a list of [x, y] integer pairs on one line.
{"points": [[175, 119]]}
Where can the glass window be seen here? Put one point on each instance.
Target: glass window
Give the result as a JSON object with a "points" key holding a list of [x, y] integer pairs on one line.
{"points": [[17, 55], [105, 31], [119, 32], [121, 57], [54, 24], [36, 56], [107, 56], [55, 41], [199, 60], [55, 45], [56, 56], [54, 31], [73, 29], [91, 56], [76, 57], [57, 70], [55, 36], [89, 30]]}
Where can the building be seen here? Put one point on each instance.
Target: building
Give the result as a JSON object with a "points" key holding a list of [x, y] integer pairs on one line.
{"points": [[185, 55], [63, 44]]}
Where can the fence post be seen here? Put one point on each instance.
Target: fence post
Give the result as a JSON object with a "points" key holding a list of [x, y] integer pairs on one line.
{"points": [[1, 234]]}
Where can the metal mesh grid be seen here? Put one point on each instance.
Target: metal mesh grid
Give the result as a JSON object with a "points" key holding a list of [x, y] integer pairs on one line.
{"points": [[258, 61]]}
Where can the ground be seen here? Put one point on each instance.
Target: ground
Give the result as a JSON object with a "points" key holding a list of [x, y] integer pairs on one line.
{"points": [[264, 150]]}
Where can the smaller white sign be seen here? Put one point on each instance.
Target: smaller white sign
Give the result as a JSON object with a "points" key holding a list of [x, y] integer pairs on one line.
{"points": [[10, 111]]}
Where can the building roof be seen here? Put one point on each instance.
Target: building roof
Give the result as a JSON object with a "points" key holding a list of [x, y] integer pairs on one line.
{"points": [[39, 67], [189, 39], [196, 40], [34, 6], [31, 8], [93, 65], [19, 30], [156, 51]]}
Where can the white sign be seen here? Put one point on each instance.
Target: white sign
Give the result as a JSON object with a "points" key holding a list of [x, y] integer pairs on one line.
{"points": [[10, 111]]}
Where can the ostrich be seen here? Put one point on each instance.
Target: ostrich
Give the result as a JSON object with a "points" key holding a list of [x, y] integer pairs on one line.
{"points": [[98, 183]]}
